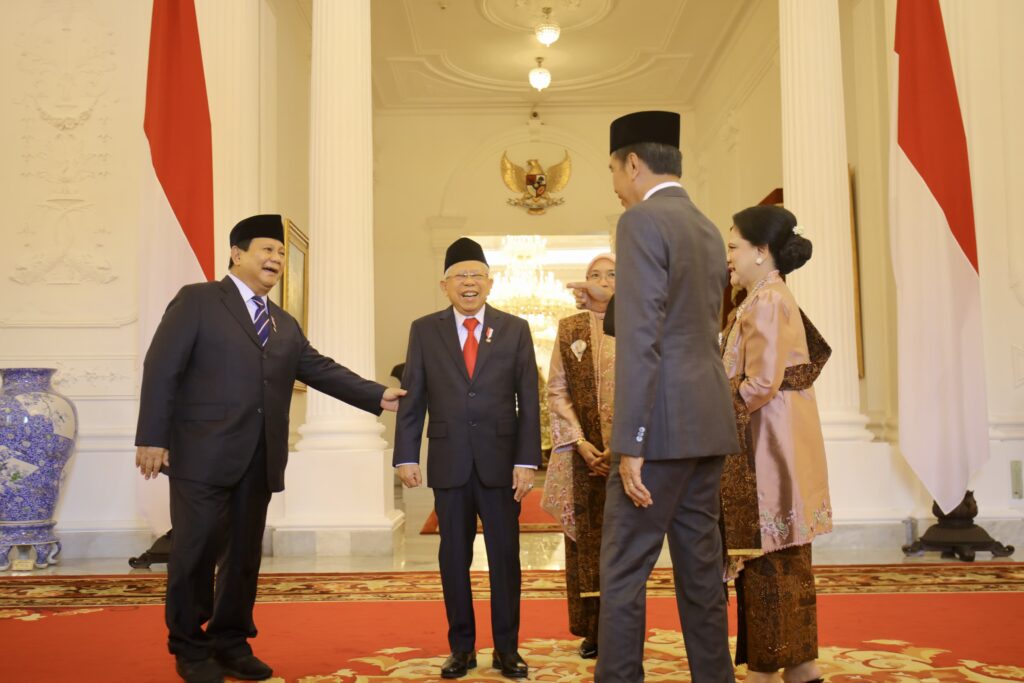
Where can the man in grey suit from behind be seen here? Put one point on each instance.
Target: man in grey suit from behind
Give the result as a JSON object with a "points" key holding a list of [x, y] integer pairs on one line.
{"points": [[674, 421]]}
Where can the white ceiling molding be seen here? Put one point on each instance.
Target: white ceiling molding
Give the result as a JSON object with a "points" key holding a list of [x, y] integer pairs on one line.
{"points": [[522, 15], [613, 54]]}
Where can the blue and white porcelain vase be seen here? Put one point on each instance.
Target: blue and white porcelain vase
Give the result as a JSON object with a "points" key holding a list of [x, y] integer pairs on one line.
{"points": [[38, 427]]}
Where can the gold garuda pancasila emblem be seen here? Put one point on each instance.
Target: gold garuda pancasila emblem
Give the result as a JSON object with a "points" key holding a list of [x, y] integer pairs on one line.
{"points": [[535, 185]]}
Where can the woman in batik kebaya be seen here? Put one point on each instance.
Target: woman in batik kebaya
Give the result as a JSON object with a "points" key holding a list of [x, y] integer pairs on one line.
{"points": [[581, 391]]}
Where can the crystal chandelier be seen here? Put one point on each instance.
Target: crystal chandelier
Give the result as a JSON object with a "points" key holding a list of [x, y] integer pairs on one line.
{"points": [[548, 30], [527, 290], [540, 77]]}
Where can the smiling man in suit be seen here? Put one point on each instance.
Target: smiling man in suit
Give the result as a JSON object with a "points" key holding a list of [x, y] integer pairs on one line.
{"points": [[213, 414], [472, 368]]}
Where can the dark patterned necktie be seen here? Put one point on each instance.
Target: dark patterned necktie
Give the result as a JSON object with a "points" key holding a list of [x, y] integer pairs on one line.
{"points": [[262, 320]]}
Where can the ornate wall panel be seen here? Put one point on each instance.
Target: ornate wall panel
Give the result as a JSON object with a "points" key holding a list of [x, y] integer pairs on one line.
{"points": [[73, 224]]}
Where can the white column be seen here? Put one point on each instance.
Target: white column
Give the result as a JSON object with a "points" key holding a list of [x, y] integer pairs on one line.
{"points": [[816, 187], [340, 495]]}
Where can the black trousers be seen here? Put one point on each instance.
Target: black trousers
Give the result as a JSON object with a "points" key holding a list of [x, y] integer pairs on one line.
{"points": [[457, 509], [216, 528]]}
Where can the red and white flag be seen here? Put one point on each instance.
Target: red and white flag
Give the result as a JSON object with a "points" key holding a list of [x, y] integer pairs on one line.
{"points": [[942, 400], [176, 235]]}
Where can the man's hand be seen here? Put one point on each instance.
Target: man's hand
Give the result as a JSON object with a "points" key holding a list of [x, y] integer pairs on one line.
{"points": [[629, 469], [410, 475], [522, 481], [149, 459], [389, 401], [590, 296], [594, 459]]}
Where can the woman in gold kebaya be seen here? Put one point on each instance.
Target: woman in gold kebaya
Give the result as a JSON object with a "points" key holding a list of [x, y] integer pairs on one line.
{"points": [[775, 496], [581, 389]]}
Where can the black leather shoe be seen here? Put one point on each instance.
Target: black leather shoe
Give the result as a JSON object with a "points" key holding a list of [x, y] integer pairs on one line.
{"points": [[510, 664], [458, 664], [245, 667], [588, 649], [201, 671]]}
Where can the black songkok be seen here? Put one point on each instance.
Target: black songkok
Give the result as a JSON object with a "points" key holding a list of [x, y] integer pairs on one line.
{"points": [[463, 249], [265, 225], [645, 126]]}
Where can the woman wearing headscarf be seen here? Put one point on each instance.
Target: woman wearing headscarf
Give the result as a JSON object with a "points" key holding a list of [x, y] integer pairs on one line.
{"points": [[581, 390], [775, 496]]}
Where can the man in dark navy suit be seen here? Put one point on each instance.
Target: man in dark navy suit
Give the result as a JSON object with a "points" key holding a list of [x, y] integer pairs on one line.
{"points": [[213, 414], [472, 368]]}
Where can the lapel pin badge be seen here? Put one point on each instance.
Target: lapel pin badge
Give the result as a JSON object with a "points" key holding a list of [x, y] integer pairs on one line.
{"points": [[490, 333]]}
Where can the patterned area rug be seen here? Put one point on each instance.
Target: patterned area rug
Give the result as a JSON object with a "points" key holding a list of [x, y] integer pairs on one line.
{"points": [[941, 623], [148, 589]]}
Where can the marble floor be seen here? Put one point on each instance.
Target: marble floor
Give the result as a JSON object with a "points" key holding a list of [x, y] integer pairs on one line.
{"points": [[417, 552]]}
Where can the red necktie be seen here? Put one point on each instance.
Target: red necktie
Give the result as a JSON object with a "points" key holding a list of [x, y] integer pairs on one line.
{"points": [[471, 346]]}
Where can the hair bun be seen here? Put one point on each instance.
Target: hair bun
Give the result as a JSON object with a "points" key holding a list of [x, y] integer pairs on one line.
{"points": [[793, 254]]}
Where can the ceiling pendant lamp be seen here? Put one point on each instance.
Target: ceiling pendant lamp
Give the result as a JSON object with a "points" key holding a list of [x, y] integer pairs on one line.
{"points": [[548, 30], [540, 77]]}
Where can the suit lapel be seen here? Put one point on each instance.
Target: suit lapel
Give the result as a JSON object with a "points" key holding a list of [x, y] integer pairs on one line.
{"points": [[493, 321], [233, 301], [450, 339]]}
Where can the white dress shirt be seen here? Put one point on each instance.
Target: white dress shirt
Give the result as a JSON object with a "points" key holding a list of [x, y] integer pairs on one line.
{"points": [[464, 331], [662, 186], [247, 295]]}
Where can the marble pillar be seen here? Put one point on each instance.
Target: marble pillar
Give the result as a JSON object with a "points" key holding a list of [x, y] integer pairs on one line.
{"points": [[817, 189], [340, 483]]}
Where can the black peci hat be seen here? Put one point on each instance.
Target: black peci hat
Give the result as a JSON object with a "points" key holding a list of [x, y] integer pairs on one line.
{"points": [[645, 126], [264, 225], [463, 249]]}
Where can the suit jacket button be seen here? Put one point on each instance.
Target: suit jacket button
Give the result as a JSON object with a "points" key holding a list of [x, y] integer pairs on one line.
{"points": [[259, 410], [472, 424], [472, 394], [264, 356]]}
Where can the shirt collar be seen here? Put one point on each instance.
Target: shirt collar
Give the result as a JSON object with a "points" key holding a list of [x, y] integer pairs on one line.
{"points": [[662, 186], [459, 318], [244, 289]]}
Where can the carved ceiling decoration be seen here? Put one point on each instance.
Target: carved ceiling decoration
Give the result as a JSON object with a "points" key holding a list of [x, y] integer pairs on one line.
{"points": [[477, 53]]}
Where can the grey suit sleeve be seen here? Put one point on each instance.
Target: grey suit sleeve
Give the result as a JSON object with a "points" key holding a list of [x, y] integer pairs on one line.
{"points": [[166, 361], [642, 293], [412, 409], [528, 400]]}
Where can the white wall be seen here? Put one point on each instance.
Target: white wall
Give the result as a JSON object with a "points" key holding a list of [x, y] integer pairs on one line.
{"points": [[738, 112]]}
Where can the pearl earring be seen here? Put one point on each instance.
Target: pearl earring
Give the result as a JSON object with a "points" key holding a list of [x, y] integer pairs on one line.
{"points": [[759, 260]]}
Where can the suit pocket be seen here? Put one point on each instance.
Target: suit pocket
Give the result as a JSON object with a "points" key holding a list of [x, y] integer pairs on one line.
{"points": [[201, 411], [437, 430], [507, 427]]}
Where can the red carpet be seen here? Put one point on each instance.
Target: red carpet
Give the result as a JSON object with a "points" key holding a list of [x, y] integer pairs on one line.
{"points": [[931, 635], [532, 518]]}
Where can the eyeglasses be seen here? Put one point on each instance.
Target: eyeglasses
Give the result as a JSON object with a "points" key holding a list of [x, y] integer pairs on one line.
{"points": [[462, 277]]}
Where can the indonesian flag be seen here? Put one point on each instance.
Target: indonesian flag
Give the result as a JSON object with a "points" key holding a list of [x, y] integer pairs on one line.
{"points": [[176, 233], [942, 400]]}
